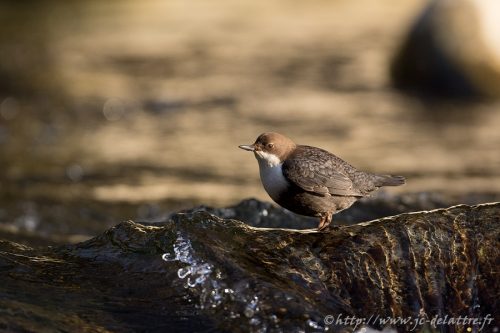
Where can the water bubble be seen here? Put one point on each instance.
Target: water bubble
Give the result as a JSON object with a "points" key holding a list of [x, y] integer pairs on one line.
{"points": [[248, 312], [168, 257], [234, 315], [183, 249], [200, 273], [113, 109], [9, 108], [200, 279], [205, 269], [183, 272], [74, 172], [313, 324], [191, 283], [29, 220], [254, 321], [216, 296]]}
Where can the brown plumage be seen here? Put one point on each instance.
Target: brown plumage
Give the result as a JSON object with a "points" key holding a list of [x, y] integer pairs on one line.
{"points": [[311, 181]]}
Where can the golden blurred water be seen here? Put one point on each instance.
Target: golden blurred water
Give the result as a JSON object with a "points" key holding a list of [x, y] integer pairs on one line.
{"points": [[111, 106]]}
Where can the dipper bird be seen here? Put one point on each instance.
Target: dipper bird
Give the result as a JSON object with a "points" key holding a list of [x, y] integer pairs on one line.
{"points": [[311, 181]]}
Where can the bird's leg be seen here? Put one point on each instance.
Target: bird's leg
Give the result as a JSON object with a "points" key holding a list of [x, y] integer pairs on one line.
{"points": [[324, 221]]}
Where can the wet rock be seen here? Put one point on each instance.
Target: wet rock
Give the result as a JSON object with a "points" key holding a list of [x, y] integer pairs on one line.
{"points": [[452, 50], [201, 273], [266, 215]]}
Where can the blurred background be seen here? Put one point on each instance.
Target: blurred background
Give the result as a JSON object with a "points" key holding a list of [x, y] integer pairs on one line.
{"points": [[133, 109]]}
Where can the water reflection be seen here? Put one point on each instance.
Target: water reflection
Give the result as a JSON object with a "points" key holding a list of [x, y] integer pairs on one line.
{"points": [[132, 109]]}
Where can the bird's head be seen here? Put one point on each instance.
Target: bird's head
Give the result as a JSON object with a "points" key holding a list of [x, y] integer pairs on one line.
{"points": [[272, 148]]}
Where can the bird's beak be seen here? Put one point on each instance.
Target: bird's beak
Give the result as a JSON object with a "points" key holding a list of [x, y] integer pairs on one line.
{"points": [[247, 147]]}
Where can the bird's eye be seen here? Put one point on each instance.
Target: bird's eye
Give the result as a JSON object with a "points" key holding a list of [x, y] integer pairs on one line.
{"points": [[270, 145]]}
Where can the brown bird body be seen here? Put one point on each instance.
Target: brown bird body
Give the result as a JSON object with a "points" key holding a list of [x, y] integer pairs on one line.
{"points": [[311, 181]]}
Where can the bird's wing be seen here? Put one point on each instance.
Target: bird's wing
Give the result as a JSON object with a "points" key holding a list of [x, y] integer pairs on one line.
{"points": [[318, 171]]}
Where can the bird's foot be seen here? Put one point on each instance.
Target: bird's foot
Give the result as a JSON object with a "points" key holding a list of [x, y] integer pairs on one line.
{"points": [[329, 228], [324, 222]]}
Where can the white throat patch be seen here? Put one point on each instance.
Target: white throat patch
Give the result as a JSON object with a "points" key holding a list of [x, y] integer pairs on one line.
{"points": [[271, 159], [271, 174]]}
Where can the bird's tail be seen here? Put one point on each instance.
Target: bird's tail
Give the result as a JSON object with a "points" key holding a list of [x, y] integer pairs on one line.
{"points": [[389, 180]]}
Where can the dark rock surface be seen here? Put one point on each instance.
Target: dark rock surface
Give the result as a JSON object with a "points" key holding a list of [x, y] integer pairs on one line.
{"points": [[264, 214], [201, 273]]}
